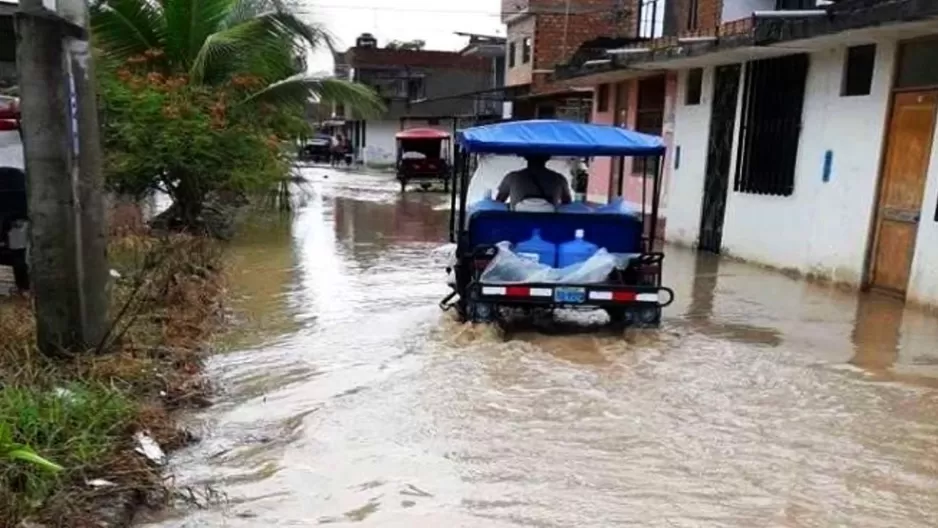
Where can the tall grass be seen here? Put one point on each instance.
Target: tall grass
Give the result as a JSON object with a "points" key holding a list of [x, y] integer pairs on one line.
{"points": [[80, 414], [77, 426]]}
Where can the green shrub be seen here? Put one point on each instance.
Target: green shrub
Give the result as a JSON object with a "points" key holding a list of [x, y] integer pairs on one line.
{"points": [[165, 134]]}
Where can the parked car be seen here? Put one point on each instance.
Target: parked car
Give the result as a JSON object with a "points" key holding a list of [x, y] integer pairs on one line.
{"points": [[317, 150], [13, 205]]}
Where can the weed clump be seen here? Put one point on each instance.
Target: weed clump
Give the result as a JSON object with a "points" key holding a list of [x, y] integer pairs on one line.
{"points": [[82, 412]]}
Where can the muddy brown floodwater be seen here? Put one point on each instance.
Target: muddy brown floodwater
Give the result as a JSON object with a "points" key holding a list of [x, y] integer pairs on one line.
{"points": [[352, 400]]}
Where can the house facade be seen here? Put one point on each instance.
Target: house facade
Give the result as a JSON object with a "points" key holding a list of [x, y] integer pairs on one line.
{"points": [[642, 100], [803, 136], [412, 84], [543, 35]]}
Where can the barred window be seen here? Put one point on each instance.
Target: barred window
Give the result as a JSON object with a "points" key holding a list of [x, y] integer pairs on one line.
{"points": [[773, 99]]}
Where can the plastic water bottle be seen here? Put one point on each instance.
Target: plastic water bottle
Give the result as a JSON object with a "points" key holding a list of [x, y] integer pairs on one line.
{"points": [[575, 207], [575, 251], [618, 206], [487, 204], [537, 249]]}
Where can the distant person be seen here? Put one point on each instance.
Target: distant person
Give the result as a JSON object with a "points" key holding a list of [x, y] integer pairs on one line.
{"points": [[347, 152], [535, 187], [337, 149]]}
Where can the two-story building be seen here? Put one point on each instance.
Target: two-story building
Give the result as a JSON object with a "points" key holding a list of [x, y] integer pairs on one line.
{"points": [[803, 135], [543, 35], [638, 100], [412, 84]]}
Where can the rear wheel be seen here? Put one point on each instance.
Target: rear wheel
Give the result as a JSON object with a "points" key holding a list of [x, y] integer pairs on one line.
{"points": [[618, 317], [649, 317]]}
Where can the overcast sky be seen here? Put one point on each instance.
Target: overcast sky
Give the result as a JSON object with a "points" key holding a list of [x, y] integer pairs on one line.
{"points": [[431, 20]]}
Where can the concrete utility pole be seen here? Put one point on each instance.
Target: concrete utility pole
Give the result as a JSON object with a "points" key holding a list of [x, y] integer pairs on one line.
{"points": [[61, 145]]}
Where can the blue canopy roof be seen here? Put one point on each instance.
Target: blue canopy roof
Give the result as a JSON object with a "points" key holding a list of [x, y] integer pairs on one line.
{"points": [[558, 138]]}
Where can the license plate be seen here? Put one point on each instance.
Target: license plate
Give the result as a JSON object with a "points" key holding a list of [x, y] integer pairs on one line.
{"points": [[568, 295]]}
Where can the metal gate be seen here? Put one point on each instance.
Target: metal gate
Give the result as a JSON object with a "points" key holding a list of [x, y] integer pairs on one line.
{"points": [[719, 154]]}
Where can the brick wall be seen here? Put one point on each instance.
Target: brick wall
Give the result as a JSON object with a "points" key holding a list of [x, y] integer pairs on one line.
{"points": [[557, 35], [521, 73], [708, 15]]}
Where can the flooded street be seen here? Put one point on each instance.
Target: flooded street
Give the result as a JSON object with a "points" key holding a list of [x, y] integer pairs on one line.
{"points": [[351, 399]]}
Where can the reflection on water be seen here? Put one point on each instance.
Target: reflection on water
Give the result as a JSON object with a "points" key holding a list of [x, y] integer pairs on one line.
{"points": [[261, 270], [763, 401]]}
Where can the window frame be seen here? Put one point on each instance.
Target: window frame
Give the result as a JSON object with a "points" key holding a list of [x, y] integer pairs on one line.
{"points": [[602, 98], [846, 90], [693, 16], [769, 136], [909, 52], [512, 52], [653, 31], [527, 50], [698, 87], [416, 88], [649, 119]]}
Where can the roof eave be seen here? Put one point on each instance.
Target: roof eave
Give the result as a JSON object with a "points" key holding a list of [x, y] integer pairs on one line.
{"points": [[844, 16]]}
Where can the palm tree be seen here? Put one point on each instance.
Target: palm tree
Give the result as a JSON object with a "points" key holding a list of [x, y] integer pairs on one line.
{"points": [[213, 41]]}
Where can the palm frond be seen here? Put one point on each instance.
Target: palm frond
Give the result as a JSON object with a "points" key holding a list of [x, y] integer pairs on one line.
{"points": [[257, 38], [300, 89], [189, 23], [124, 28], [244, 10]]}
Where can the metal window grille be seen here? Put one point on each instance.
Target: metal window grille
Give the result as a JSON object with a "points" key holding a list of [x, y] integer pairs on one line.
{"points": [[773, 99], [692, 17], [651, 18]]}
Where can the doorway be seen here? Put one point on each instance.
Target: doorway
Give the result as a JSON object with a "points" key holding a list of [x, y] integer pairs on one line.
{"points": [[620, 119], [719, 155], [902, 188]]}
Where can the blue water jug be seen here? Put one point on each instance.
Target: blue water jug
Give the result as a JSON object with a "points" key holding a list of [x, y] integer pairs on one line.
{"points": [[575, 251], [618, 206], [537, 249], [575, 207], [487, 204]]}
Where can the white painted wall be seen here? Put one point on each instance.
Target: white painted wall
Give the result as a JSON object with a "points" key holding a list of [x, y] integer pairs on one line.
{"points": [[380, 145], [685, 188], [822, 228], [737, 9]]}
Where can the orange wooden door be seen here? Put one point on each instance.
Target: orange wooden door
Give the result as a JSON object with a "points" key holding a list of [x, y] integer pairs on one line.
{"points": [[908, 150]]}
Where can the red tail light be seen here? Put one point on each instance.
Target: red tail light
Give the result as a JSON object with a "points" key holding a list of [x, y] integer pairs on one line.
{"points": [[9, 108]]}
